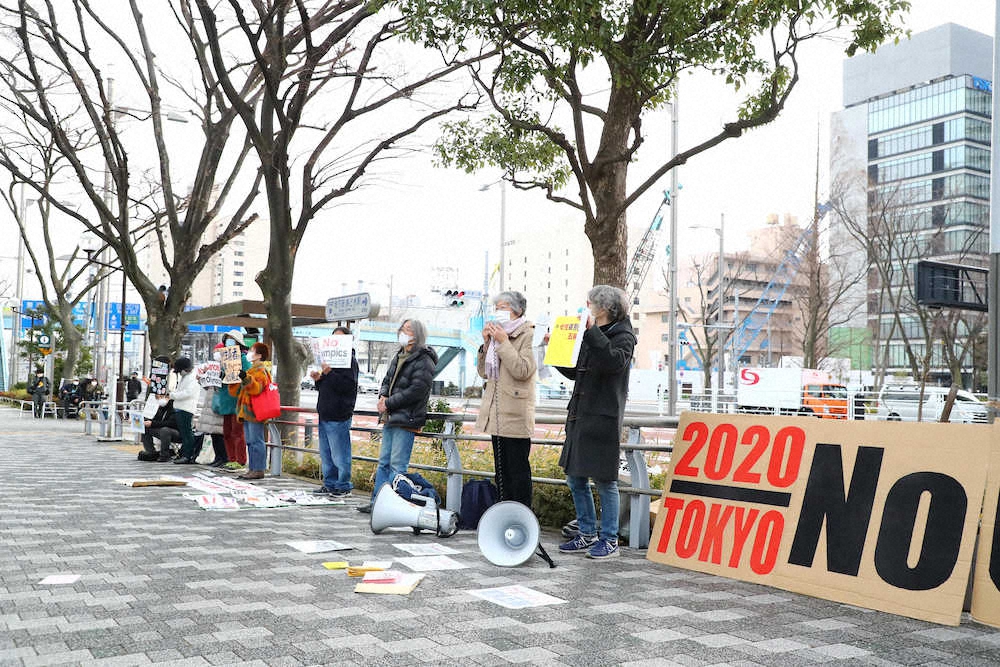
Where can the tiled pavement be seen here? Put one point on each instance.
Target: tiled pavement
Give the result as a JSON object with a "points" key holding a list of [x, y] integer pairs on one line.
{"points": [[163, 582]]}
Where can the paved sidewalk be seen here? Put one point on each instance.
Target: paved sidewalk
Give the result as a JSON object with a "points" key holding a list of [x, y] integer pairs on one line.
{"points": [[162, 582]]}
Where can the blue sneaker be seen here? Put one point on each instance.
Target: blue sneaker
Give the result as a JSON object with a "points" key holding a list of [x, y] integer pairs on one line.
{"points": [[604, 549], [579, 544]]}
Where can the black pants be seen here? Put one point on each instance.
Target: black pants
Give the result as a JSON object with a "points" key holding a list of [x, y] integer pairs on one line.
{"points": [[510, 459], [165, 435], [39, 400]]}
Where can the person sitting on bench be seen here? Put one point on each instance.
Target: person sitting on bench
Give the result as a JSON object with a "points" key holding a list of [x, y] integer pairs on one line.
{"points": [[162, 426]]}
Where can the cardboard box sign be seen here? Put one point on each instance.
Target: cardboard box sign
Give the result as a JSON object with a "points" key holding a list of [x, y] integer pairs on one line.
{"points": [[874, 514], [986, 585]]}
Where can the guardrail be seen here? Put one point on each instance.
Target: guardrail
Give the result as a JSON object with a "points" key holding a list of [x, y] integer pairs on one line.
{"points": [[639, 489]]}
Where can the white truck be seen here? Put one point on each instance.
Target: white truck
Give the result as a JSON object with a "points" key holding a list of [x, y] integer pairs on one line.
{"points": [[790, 391]]}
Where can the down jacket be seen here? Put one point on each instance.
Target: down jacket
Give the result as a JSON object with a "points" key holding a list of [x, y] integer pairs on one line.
{"points": [[257, 378], [209, 421], [597, 407], [406, 401], [508, 405]]}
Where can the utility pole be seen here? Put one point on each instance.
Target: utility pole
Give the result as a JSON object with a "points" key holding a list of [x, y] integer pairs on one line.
{"points": [[503, 229], [993, 290], [15, 328], [721, 296], [674, 301]]}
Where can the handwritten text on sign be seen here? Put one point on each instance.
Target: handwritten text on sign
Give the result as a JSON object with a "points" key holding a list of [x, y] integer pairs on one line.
{"points": [[334, 351], [872, 514]]}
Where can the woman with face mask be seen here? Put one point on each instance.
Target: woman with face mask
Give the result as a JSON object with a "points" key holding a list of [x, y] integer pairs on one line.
{"points": [[185, 398], [594, 420], [224, 403], [208, 420], [507, 411], [402, 402], [252, 382]]}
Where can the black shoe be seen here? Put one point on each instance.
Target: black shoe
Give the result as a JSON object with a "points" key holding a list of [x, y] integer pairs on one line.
{"points": [[183, 460], [339, 494], [217, 463], [322, 491], [365, 509], [164, 458]]}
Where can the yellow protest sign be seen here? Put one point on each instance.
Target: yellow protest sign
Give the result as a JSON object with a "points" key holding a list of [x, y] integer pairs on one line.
{"points": [[565, 341]]}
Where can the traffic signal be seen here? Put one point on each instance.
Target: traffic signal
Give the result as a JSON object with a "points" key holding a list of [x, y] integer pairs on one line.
{"points": [[454, 298]]}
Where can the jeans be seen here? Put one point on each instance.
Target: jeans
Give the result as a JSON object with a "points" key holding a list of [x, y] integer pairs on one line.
{"points": [[335, 454], [510, 460], [253, 432], [184, 419], [586, 514], [394, 457]]}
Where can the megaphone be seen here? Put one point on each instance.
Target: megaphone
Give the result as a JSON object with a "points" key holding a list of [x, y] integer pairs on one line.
{"points": [[390, 510], [508, 533]]}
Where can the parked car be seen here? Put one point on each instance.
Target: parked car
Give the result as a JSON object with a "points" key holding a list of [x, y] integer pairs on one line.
{"points": [[367, 384], [900, 402], [307, 383]]}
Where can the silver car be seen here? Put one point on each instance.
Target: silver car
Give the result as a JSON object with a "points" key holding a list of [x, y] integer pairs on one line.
{"points": [[902, 402]]}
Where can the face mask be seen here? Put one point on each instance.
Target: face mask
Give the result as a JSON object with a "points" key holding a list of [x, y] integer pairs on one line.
{"points": [[404, 339], [162, 402], [251, 357], [217, 356], [230, 342], [501, 316], [593, 315]]}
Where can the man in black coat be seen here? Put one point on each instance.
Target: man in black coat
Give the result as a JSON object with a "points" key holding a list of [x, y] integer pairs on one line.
{"points": [[338, 392], [594, 421], [162, 426], [39, 390]]}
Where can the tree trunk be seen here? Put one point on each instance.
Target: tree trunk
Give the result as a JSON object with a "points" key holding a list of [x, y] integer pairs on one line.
{"points": [[164, 328]]}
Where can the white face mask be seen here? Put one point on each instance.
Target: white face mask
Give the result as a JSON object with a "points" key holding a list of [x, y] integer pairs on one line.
{"points": [[251, 357], [217, 356], [593, 315], [162, 402], [501, 316], [404, 339]]}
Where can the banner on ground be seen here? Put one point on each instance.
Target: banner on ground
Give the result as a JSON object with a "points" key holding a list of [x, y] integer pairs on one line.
{"points": [[565, 340], [874, 514], [334, 351]]}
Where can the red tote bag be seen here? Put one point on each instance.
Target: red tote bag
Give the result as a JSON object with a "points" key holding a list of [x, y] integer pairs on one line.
{"points": [[267, 404]]}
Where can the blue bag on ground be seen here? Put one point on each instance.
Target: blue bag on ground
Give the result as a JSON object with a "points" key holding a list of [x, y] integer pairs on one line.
{"points": [[477, 497], [414, 484]]}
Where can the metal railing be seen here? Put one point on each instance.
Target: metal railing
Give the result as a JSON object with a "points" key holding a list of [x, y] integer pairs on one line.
{"points": [[639, 488]]}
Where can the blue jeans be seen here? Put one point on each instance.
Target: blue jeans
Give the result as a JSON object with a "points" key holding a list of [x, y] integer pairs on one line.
{"points": [[586, 513], [394, 457], [335, 454], [253, 433]]}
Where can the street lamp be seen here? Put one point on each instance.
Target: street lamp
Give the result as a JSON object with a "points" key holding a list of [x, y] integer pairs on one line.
{"points": [[120, 384], [720, 294], [503, 222]]}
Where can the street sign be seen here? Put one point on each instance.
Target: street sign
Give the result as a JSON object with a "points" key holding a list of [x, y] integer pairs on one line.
{"points": [[350, 307], [44, 343], [133, 314], [31, 305]]}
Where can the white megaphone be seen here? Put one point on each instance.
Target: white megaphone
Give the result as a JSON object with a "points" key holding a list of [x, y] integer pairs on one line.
{"points": [[391, 510], [508, 534]]}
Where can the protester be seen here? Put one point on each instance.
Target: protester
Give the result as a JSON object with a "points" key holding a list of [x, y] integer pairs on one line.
{"points": [[208, 420], [133, 387], [224, 404], [163, 427], [594, 421], [507, 412], [402, 402], [185, 398], [39, 391], [253, 381], [338, 392], [70, 396]]}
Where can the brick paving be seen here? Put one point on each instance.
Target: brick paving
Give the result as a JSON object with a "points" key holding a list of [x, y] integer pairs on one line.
{"points": [[163, 582]]}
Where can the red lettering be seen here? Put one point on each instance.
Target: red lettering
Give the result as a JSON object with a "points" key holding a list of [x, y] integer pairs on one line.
{"points": [[795, 439], [766, 543], [671, 507], [689, 533], [711, 545], [741, 532], [719, 458], [760, 437], [697, 433]]}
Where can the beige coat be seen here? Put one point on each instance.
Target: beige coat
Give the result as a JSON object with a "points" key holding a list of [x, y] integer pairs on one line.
{"points": [[511, 411]]}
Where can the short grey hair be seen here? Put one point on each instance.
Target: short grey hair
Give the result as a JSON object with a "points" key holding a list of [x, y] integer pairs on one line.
{"points": [[611, 299], [515, 300], [419, 332]]}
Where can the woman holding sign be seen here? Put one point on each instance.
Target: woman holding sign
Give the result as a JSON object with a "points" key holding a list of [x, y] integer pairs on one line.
{"points": [[252, 383], [507, 411], [594, 422]]}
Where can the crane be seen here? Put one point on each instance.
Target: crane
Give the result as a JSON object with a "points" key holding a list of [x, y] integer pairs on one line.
{"points": [[645, 252]]}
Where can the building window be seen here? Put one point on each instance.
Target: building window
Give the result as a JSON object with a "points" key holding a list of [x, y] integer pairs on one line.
{"points": [[665, 338], [664, 317], [238, 283], [238, 273]]}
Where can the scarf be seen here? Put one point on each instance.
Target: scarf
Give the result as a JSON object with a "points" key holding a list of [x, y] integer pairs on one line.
{"points": [[492, 361]]}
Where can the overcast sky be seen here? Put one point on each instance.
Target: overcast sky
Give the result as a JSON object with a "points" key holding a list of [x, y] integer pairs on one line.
{"points": [[416, 216]]}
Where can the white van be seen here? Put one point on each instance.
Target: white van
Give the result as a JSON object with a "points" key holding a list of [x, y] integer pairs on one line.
{"points": [[900, 403]]}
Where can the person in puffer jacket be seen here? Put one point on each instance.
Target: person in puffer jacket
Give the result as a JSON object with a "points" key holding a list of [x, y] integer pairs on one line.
{"points": [[402, 402], [252, 382], [185, 398]]}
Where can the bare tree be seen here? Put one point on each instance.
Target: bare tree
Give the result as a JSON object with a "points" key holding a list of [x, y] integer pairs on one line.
{"points": [[323, 119], [52, 79]]}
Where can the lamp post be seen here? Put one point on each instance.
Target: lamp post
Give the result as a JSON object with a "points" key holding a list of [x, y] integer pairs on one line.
{"points": [[674, 301], [120, 382], [503, 222], [720, 297]]}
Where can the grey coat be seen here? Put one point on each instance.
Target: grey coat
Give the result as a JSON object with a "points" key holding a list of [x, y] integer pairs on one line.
{"points": [[207, 420], [597, 406]]}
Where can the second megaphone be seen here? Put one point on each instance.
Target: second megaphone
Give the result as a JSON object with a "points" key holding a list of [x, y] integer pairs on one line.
{"points": [[391, 511]]}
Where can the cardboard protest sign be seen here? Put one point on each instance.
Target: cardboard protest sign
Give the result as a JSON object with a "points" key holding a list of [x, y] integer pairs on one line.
{"points": [[158, 373], [231, 363], [334, 351], [986, 581], [209, 374], [874, 514], [565, 341]]}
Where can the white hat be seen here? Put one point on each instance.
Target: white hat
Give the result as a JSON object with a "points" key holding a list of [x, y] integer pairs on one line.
{"points": [[235, 334]]}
